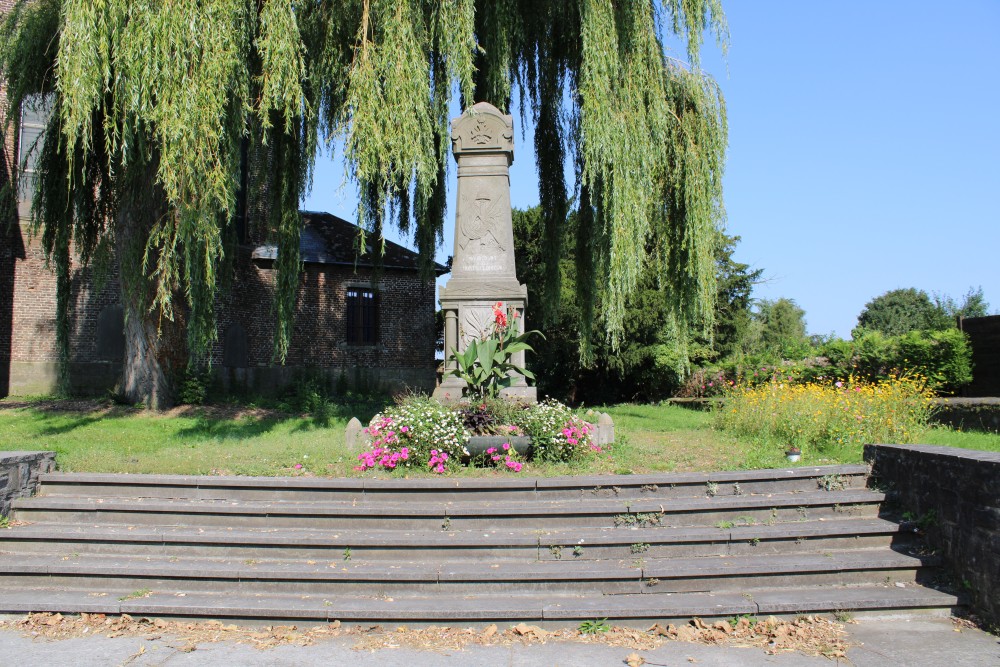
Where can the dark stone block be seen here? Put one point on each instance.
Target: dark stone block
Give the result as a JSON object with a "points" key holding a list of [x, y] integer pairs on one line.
{"points": [[962, 490]]}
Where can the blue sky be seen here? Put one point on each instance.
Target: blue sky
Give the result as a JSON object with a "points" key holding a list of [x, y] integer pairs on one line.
{"points": [[864, 151]]}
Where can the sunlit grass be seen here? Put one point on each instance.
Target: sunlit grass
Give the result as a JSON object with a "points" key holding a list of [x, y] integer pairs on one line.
{"points": [[650, 438]]}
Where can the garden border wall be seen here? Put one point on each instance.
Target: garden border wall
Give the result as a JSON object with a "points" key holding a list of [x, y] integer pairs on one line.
{"points": [[957, 494], [19, 473]]}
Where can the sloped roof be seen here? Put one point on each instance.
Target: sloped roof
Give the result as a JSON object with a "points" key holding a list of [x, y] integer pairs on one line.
{"points": [[327, 239]]}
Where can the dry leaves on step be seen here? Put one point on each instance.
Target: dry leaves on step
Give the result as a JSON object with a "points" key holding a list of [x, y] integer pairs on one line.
{"points": [[635, 660]]}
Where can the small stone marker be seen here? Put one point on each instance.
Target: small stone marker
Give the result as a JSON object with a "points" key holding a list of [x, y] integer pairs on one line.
{"points": [[605, 429], [353, 434]]}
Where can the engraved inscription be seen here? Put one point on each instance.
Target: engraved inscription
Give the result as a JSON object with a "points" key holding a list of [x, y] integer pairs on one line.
{"points": [[480, 134], [481, 219]]}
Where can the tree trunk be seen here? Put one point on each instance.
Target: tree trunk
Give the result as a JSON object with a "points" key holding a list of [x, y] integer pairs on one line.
{"points": [[155, 348]]}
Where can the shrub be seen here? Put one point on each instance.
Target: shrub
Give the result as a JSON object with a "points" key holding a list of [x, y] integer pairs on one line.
{"points": [[943, 357], [418, 431], [820, 415], [556, 433]]}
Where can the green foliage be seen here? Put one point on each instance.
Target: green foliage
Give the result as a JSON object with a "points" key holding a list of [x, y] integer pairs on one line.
{"points": [[421, 426], [195, 386], [824, 418], [942, 357], [783, 329], [576, 362], [486, 364], [973, 304], [594, 627], [733, 336], [556, 433], [900, 311], [158, 103]]}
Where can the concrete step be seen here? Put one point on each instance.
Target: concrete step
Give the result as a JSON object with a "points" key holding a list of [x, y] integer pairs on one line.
{"points": [[655, 486], [371, 512], [654, 575], [538, 608], [379, 544]]}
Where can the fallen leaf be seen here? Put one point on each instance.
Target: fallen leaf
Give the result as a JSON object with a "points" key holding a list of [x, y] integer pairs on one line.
{"points": [[635, 660]]}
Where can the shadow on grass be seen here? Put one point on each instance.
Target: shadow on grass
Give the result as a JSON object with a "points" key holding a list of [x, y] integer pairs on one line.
{"points": [[240, 428], [59, 419]]}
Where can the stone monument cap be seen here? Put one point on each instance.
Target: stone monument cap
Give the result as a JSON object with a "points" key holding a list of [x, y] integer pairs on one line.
{"points": [[483, 129]]}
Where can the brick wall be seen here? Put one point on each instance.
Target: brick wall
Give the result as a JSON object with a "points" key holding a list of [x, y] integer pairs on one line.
{"points": [[403, 354], [956, 492], [9, 241], [406, 324]]}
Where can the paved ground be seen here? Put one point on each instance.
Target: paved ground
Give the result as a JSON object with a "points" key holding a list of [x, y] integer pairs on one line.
{"points": [[931, 642]]}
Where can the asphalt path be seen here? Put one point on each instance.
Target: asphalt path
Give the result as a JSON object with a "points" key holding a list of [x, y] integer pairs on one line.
{"points": [[913, 642]]}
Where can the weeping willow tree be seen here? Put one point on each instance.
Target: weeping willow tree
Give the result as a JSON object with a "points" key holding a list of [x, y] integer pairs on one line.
{"points": [[163, 109]]}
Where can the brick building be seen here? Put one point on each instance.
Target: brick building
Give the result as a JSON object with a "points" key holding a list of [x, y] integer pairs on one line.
{"points": [[350, 327]]}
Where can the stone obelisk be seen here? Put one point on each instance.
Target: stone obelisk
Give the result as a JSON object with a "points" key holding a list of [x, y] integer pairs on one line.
{"points": [[482, 270]]}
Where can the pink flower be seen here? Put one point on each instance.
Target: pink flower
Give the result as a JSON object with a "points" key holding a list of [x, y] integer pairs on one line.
{"points": [[405, 429], [838, 383], [298, 466], [506, 446]]}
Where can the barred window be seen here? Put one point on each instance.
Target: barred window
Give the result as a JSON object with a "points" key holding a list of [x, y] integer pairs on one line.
{"points": [[362, 316], [35, 113]]}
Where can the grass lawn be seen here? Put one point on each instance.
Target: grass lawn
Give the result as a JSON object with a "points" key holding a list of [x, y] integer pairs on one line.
{"points": [[96, 437]]}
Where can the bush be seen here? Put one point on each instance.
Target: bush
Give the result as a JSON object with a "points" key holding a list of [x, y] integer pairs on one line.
{"points": [[817, 416], [556, 433], [417, 432], [943, 357], [420, 432]]}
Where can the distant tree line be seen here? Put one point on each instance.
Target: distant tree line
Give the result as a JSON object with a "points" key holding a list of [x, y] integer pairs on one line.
{"points": [[658, 356]]}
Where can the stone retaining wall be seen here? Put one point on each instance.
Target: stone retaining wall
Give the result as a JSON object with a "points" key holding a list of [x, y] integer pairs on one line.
{"points": [[19, 473], [955, 494]]}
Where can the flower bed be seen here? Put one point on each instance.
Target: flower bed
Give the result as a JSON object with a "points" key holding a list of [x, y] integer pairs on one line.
{"points": [[420, 433]]}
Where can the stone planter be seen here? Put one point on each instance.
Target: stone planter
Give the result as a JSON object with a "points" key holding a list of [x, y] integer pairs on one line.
{"points": [[478, 444]]}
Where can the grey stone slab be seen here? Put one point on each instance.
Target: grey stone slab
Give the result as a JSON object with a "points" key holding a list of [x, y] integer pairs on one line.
{"points": [[202, 481], [651, 606], [211, 605], [446, 484], [594, 536], [79, 533], [539, 571], [413, 572], [65, 601], [439, 608], [810, 528], [725, 566], [851, 598], [586, 482], [734, 503]]}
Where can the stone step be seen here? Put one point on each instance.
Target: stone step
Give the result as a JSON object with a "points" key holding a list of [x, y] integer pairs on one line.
{"points": [[456, 513], [556, 610], [655, 486], [654, 575], [375, 544]]}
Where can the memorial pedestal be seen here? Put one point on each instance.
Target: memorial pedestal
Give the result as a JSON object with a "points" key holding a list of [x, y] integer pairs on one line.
{"points": [[483, 268]]}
